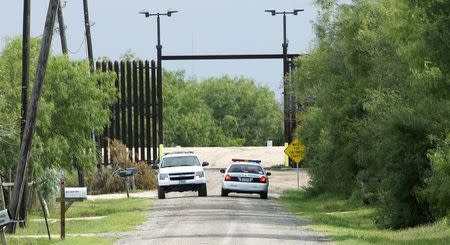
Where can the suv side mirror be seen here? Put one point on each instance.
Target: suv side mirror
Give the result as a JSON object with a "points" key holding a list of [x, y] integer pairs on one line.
{"points": [[222, 171], [155, 166], [268, 173], [205, 164]]}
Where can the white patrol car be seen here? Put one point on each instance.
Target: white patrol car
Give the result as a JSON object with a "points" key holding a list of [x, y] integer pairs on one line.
{"points": [[181, 171], [245, 176]]}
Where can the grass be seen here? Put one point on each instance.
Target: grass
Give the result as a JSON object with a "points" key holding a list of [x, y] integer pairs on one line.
{"points": [[349, 222], [120, 215]]}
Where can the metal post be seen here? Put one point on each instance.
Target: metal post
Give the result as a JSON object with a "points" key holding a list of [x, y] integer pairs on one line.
{"points": [[129, 142], [117, 104], [148, 112], [135, 112], [112, 119], [159, 84], [287, 127], [285, 83], [154, 113], [141, 111], [123, 105], [159, 71], [127, 186], [104, 137]]}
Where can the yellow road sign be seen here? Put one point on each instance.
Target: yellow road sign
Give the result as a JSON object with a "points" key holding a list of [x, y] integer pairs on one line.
{"points": [[295, 150]]}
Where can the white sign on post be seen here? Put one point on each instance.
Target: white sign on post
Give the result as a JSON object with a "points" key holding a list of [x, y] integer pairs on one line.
{"points": [[5, 217], [75, 193]]}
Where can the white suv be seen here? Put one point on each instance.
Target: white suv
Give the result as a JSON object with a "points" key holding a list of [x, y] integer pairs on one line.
{"points": [[181, 171]]}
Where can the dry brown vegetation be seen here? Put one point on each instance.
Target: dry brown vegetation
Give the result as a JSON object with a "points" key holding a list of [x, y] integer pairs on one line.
{"points": [[107, 179]]}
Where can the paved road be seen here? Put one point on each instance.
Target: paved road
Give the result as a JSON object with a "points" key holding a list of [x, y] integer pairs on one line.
{"points": [[184, 218]]}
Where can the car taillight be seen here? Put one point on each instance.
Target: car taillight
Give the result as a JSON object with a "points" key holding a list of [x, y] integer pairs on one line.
{"points": [[263, 179], [227, 177]]}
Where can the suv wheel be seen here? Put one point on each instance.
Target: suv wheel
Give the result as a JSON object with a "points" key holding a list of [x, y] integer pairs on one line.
{"points": [[224, 193], [202, 191], [161, 193], [263, 195]]}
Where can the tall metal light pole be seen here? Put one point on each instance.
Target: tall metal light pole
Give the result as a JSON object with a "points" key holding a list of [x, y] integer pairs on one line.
{"points": [[159, 70], [287, 128]]}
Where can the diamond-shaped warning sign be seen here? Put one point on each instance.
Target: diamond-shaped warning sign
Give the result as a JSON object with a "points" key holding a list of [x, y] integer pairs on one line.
{"points": [[295, 150]]}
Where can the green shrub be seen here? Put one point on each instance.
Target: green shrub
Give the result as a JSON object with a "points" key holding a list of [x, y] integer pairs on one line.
{"points": [[437, 186], [376, 94]]}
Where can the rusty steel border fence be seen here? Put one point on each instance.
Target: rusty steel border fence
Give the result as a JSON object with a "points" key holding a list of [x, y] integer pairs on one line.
{"points": [[134, 116]]}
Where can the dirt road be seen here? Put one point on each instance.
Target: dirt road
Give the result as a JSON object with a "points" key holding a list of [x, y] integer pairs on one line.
{"points": [[184, 218]]}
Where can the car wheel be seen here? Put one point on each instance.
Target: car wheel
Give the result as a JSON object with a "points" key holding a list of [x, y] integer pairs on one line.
{"points": [[224, 193], [202, 191], [263, 195], [161, 193]]}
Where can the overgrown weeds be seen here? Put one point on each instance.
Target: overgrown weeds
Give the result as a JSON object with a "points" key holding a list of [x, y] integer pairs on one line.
{"points": [[107, 179]]}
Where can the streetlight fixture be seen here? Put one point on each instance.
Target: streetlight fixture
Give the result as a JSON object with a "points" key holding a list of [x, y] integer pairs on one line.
{"points": [[159, 68], [287, 128]]}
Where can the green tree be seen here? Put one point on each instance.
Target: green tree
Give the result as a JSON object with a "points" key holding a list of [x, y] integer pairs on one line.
{"points": [[379, 97], [219, 112], [74, 103], [188, 120], [245, 111]]}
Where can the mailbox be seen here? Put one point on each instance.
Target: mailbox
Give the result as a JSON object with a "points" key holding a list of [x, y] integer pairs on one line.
{"points": [[126, 173], [132, 169], [5, 217], [75, 192]]}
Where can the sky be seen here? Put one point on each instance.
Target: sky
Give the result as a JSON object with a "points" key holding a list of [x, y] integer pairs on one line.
{"points": [[200, 27]]}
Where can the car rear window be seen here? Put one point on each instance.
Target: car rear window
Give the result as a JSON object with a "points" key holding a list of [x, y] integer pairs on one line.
{"points": [[245, 168]]}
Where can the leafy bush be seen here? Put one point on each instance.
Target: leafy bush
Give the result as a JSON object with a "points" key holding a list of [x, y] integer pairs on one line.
{"points": [[377, 99], [437, 186]]}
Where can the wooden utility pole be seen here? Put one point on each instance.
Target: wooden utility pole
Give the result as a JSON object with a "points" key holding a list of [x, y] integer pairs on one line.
{"points": [[87, 27], [25, 83], [25, 61], [27, 138], [62, 29]]}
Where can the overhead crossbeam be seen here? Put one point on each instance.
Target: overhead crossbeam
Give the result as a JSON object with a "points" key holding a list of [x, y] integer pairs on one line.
{"points": [[228, 57]]}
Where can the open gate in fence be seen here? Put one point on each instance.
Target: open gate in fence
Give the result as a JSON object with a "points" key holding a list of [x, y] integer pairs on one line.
{"points": [[134, 117]]}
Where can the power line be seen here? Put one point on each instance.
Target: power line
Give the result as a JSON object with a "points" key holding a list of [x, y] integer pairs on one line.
{"points": [[79, 48]]}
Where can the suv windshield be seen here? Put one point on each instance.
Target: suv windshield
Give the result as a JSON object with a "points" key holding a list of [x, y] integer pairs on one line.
{"points": [[180, 161], [245, 168]]}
